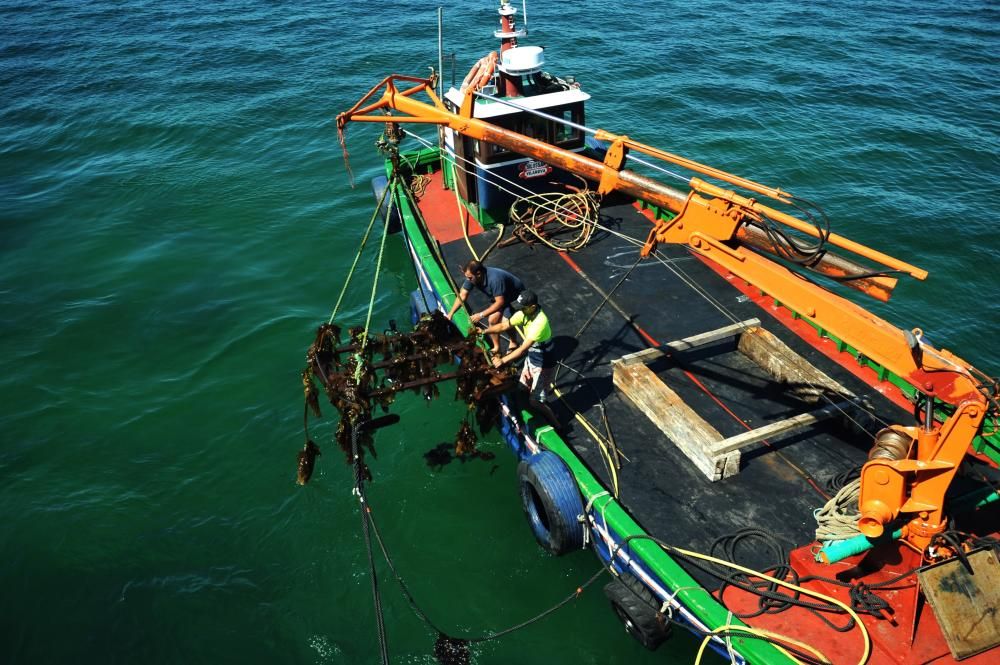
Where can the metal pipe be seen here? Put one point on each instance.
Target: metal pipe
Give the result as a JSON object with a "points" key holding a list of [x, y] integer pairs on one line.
{"points": [[409, 385], [440, 52]]}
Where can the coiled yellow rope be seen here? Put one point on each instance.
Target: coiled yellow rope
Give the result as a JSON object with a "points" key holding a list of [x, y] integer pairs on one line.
{"points": [[576, 211]]}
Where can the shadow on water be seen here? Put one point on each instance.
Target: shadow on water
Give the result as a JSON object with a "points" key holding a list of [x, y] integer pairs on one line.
{"points": [[443, 453]]}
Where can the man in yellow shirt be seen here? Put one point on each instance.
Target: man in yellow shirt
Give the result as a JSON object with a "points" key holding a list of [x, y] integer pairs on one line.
{"points": [[532, 325]]}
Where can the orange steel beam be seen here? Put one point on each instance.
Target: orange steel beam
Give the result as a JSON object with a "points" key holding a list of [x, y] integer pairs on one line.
{"points": [[777, 194], [832, 265], [692, 165], [873, 337]]}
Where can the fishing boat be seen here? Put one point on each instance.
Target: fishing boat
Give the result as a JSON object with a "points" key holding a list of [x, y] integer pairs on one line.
{"points": [[752, 455]]}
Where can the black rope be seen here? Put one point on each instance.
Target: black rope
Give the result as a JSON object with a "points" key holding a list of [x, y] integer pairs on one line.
{"points": [[402, 584], [607, 297], [359, 488], [668, 619], [770, 599], [573, 596], [863, 600], [606, 300], [448, 648]]}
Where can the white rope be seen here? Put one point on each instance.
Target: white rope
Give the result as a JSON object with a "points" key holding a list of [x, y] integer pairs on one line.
{"points": [[583, 518], [553, 209], [838, 519], [729, 639], [671, 601]]}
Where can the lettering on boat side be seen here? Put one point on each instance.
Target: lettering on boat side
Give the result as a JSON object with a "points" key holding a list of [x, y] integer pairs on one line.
{"points": [[534, 169]]}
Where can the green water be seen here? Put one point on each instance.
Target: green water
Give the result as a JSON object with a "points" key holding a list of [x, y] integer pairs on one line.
{"points": [[177, 220]]}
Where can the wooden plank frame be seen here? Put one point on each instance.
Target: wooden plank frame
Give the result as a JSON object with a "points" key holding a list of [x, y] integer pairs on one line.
{"points": [[715, 456]]}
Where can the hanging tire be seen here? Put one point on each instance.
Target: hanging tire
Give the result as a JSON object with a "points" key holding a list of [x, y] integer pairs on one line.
{"points": [[638, 610], [551, 502]]}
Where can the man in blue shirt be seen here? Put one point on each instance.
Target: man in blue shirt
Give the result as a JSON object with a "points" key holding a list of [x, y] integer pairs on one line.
{"points": [[500, 286]]}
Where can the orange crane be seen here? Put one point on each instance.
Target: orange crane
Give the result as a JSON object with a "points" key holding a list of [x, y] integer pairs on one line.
{"points": [[910, 468]]}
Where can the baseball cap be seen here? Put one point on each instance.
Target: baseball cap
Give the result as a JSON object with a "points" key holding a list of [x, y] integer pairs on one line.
{"points": [[526, 299]]}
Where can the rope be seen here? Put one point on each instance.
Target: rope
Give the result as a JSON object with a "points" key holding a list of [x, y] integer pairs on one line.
{"points": [[670, 549], [399, 579], [577, 210], [493, 179], [776, 639], [371, 301], [607, 446], [700, 291], [347, 158], [838, 518], [686, 279], [357, 257], [416, 271], [463, 217], [602, 444], [419, 183], [496, 243], [607, 298], [359, 491], [370, 518], [433, 244], [524, 624]]}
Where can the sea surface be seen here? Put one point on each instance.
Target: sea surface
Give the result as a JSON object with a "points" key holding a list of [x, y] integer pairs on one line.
{"points": [[177, 220]]}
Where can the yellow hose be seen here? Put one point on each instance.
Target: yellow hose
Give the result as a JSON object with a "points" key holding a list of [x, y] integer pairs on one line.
{"points": [[788, 585], [762, 633], [601, 443]]}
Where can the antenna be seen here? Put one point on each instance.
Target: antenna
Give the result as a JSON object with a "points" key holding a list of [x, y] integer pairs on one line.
{"points": [[441, 53], [524, 13]]}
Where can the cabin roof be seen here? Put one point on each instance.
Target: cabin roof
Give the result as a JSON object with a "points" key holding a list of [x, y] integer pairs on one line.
{"points": [[490, 109]]}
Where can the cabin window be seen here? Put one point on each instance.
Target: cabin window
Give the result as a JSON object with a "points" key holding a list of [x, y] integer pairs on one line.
{"points": [[565, 136], [535, 127]]}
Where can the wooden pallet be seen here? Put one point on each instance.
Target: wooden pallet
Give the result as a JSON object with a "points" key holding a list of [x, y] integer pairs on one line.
{"points": [[716, 456]]}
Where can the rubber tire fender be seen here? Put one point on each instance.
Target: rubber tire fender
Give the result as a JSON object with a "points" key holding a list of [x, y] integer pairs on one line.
{"points": [[639, 611], [551, 502]]}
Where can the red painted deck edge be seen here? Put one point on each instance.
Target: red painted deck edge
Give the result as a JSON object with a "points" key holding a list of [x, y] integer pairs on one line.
{"points": [[440, 209]]}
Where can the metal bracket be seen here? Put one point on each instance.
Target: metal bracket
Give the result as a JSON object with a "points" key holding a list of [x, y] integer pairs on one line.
{"points": [[613, 159]]}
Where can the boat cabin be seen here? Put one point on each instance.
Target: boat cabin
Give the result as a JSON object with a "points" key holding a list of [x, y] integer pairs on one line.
{"points": [[484, 173]]}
